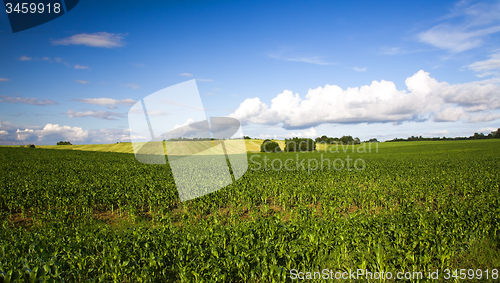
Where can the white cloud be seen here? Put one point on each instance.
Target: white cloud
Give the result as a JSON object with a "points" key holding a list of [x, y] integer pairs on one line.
{"points": [[80, 67], [58, 59], [53, 131], [267, 136], [377, 102], [475, 23], [99, 39], [439, 132], [479, 118], [487, 67], [4, 80], [188, 121], [107, 115], [205, 80], [109, 135], [108, 101], [450, 115], [82, 81], [486, 130], [456, 39], [46, 59], [26, 100], [24, 134], [360, 69], [317, 60], [25, 58], [309, 133], [186, 74], [132, 86]]}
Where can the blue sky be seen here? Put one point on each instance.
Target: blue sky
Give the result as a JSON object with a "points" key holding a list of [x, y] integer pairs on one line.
{"points": [[368, 69]]}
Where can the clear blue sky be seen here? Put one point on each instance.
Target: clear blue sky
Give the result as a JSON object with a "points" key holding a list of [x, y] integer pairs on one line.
{"points": [[368, 69]]}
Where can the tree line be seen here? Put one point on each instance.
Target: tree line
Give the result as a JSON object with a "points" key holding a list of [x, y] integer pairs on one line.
{"points": [[476, 136]]}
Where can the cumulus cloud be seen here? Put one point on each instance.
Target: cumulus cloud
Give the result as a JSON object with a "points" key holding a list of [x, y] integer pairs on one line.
{"points": [[107, 115], [26, 100], [25, 134], [99, 39], [309, 133], [449, 115], [52, 131], [378, 102], [4, 80], [108, 101], [82, 82], [475, 23]]}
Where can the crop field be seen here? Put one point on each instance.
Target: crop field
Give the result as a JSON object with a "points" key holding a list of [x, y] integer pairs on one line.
{"points": [[126, 147], [92, 216]]}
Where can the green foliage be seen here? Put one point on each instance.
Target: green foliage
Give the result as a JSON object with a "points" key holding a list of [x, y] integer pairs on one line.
{"points": [[63, 143], [31, 146], [78, 216], [270, 146], [247, 138], [327, 140], [299, 144]]}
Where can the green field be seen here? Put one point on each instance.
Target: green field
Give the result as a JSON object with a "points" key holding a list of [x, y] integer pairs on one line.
{"points": [[84, 215]]}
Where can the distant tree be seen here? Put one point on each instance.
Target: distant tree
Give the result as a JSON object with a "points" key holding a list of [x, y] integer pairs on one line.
{"points": [[63, 143], [325, 139], [31, 146], [270, 146], [357, 141], [247, 138], [347, 140], [477, 136], [495, 134], [373, 140], [299, 144]]}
